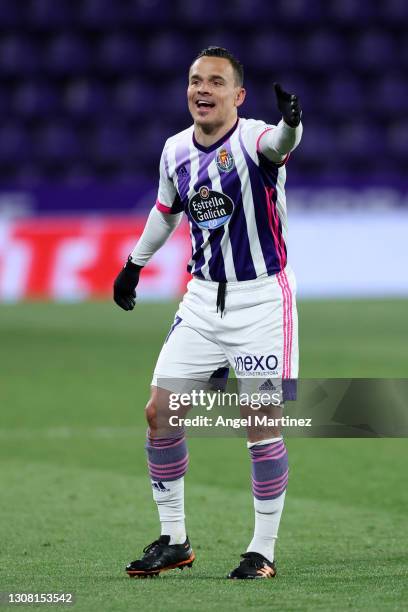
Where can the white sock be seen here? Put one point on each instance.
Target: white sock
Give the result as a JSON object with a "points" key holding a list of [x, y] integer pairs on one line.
{"points": [[267, 518], [169, 497]]}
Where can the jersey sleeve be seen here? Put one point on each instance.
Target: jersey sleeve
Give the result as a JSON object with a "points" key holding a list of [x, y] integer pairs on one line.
{"points": [[168, 200], [254, 136]]}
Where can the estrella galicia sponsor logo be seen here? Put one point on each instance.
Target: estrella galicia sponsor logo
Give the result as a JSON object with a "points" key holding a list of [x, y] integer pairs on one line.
{"points": [[255, 365], [210, 209], [224, 161]]}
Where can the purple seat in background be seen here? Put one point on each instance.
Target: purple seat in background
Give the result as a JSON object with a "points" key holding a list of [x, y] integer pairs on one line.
{"points": [[11, 14], [101, 14], [19, 56], [390, 95], [323, 50], [394, 11], [35, 99], [319, 141], [251, 109], [298, 12], [167, 52], [78, 173], [68, 54], [99, 85], [120, 53], [344, 95], [153, 137], [142, 13], [111, 143], [15, 143], [200, 12], [85, 98], [49, 14], [134, 98], [373, 50], [30, 174], [175, 99], [256, 13], [356, 140], [397, 139], [267, 51], [6, 102], [351, 12], [58, 142]]}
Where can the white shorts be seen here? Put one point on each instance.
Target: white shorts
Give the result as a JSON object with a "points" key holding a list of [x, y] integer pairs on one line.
{"points": [[257, 335]]}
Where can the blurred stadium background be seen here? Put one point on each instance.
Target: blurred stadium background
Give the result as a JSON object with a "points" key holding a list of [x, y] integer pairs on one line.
{"points": [[90, 90]]}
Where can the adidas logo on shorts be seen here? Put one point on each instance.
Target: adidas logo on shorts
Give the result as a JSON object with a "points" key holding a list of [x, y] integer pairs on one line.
{"points": [[267, 386]]}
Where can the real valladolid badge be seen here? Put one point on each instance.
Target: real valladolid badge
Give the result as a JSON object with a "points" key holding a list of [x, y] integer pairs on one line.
{"points": [[225, 161]]}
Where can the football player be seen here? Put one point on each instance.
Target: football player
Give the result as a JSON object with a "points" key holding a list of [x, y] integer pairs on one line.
{"points": [[227, 175]]}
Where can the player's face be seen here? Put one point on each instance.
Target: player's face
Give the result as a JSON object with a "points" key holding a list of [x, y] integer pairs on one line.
{"points": [[213, 94]]}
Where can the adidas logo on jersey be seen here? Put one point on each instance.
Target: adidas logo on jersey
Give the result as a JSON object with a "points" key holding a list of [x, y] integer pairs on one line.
{"points": [[182, 172]]}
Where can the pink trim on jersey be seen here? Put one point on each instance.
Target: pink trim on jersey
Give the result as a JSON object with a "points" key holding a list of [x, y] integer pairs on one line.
{"points": [[273, 219], [258, 150], [279, 237], [282, 279], [260, 136], [163, 208]]}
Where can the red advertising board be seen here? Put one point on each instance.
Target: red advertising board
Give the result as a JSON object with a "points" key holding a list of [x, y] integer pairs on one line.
{"points": [[77, 258]]}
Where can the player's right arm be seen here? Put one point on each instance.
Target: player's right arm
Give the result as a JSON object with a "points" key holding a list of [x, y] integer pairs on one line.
{"points": [[163, 219]]}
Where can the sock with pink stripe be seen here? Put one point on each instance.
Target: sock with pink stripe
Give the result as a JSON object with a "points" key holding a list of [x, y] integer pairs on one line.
{"points": [[168, 462], [269, 481]]}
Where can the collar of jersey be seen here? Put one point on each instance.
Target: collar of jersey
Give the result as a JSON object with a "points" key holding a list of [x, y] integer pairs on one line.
{"points": [[219, 142]]}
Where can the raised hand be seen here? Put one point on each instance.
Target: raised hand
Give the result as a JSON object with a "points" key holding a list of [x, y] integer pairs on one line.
{"points": [[289, 106]]}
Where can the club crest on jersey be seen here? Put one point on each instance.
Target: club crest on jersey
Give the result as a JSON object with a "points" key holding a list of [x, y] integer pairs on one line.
{"points": [[224, 161], [210, 209]]}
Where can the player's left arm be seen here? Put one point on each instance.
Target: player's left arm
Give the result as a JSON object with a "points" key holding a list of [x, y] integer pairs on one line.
{"points": [[276, 143]]}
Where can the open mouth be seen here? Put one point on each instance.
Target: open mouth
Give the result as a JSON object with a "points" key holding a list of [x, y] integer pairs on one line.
{"points": [[204, 104]]}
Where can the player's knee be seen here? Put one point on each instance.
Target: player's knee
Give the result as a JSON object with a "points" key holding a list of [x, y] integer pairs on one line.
{"points": [[151, 412]]}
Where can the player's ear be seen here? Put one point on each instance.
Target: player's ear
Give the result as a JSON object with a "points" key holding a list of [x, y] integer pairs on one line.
{"points": [[240, 96]]}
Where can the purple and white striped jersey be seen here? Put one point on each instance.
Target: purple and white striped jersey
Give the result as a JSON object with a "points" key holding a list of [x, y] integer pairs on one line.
{"points": [[234, 198]]}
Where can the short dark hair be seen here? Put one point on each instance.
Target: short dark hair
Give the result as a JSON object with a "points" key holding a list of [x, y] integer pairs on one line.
{"points": [[224, 53]]}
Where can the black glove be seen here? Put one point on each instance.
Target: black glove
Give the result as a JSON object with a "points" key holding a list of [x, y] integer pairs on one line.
{"points": [[288, 105], [124, 287]]}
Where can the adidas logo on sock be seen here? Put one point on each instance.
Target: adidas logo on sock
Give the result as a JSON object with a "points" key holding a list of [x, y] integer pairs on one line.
{"points": [[267, 386], [159, 486]]}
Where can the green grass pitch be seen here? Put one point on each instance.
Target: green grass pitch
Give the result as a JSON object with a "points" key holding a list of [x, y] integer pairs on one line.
{"points": [[76, 501]]}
